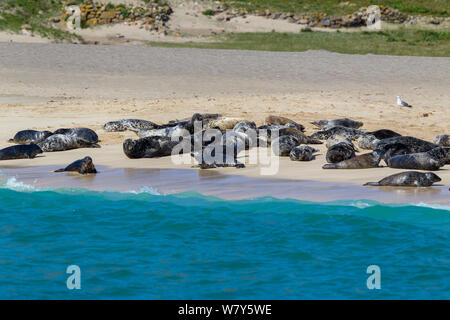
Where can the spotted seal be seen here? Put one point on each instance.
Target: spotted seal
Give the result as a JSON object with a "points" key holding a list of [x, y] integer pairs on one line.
{"points": [[342, 122], [350, 133], [340, 152], [407, 179], [442, 140], [129, 124], [62, 142], [85, 134], [363, 161], [411, 143], [82, 166], [430, 160], [366, 141], [30, 137], [23, 151], [302, 153]]}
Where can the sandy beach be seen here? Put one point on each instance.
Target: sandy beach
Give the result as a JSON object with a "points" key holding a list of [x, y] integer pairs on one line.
{"points": [[60, 85]]}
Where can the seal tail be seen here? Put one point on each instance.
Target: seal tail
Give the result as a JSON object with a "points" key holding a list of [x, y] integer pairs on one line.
{"points": [[313, 141], [373, 184], [331, 166], [59, 170], [11, 140]]}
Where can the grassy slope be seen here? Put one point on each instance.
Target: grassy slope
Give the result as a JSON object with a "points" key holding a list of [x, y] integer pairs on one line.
{"points": [[15, 13], [395, 42], [332, 7]]}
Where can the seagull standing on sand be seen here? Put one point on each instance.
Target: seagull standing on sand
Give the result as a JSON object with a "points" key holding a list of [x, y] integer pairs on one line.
{"points": [[402, 103]]}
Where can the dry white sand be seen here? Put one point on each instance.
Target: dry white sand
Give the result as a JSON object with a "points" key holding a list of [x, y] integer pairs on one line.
{"points": [[52, 86]]}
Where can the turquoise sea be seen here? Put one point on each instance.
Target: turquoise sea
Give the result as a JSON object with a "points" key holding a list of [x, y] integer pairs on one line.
{"points": [[187, 246]]}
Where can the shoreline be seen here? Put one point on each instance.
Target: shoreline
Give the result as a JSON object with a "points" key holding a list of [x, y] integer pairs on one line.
{"points": [[214, 183]]}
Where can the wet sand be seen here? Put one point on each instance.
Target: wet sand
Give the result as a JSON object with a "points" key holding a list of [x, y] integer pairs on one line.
{"points": [[214, 183]]}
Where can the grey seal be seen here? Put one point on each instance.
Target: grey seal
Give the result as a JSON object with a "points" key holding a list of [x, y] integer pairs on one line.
{"points": [[442, 140], [384, 134], [85, 134], [82, 166], [150, 147], [302, 153], [283, 145], [333, 140], [340, 152], [430, 160], [350, 133], [363, 161], [24, 151], [62, 142], [277, 120], [129, 124], [217, 156], [342, 122], [411, 143], [407, 179], [366, 141], [30, 136]]}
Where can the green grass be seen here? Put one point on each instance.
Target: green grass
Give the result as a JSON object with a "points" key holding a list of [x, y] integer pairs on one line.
{"points": [[332, 7], [15, 13], [409, 42]]}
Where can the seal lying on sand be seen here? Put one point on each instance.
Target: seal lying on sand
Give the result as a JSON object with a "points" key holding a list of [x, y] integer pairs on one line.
{"points": [[343, 122], [302, 153], [83, 166], [129, 124], [62, 142], [366, 141], [30, 136], [150, 147], [411, 143], [363, 161], [25, 151], [350, 133], [407, 179], [442, 140], [430, 160], [85, 134], [284, 122], [283, 145], [216, 156], [384, 134], [340, 152]]}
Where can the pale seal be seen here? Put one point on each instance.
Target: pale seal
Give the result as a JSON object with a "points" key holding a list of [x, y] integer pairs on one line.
{"points": [[82, 166], [129, 124], [340, 152], [85, 134], [430, 160], [442, 140], [407, 179], [363, 161], [62, 142], [302, 153], [342, 122], [24, 151], [30, 136], [222, 123], [366, 141]]}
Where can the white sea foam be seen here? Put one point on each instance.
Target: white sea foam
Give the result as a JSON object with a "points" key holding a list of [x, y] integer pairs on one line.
{"points": [[433, 206], [13, 184], [146, 189]]}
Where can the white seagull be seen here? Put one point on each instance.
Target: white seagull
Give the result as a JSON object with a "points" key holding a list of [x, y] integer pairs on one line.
{"points": [[402, 103]]}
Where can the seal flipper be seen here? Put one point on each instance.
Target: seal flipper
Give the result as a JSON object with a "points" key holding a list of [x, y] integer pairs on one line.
{"points": [[330, 166], [59, 170], [11, 141], [373, 184]]}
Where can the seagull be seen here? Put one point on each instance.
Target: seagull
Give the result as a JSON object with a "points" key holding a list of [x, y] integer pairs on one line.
{"points": [[402, 103]]}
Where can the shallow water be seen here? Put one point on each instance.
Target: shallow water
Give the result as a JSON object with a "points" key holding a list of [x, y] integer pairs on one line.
{"points": [[187, 246]]}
